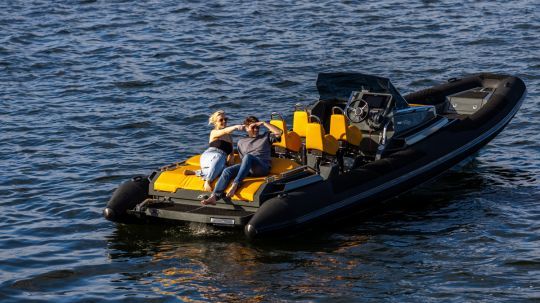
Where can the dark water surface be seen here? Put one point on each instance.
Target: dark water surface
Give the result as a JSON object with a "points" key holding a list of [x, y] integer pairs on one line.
{"points": [[93, 92]]}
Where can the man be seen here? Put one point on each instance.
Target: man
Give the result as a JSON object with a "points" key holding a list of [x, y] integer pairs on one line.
{"points": [[254, 150]]}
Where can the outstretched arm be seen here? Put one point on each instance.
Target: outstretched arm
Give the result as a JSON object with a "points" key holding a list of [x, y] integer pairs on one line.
{"points": [[216, 133]]}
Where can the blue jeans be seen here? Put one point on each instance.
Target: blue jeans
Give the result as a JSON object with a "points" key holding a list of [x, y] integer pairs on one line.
{"points": [[250, 165], [213, 161]]}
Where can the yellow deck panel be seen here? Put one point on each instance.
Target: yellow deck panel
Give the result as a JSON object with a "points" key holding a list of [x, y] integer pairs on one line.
{"points": [[172, 180]]}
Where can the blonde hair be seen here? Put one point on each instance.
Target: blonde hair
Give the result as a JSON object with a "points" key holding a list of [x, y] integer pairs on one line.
{"points": [[213, 117]]}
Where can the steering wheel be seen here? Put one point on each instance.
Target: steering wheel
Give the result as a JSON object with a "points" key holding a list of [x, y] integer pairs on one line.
{"points": [[359, 112]]}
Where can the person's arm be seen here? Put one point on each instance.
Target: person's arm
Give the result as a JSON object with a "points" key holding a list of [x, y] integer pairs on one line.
{"points": [[216, 133], [272, 128]]}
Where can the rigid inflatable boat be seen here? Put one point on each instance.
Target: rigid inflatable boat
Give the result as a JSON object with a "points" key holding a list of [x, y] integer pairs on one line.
{"points": [[360, 144]]}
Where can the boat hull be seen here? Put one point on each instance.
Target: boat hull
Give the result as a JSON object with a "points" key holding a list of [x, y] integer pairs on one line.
{"points": [[315, 200]]}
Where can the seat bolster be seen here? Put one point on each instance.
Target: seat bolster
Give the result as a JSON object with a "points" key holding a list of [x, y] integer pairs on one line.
{"points": [[354, 135], [282, 143], [331, 145], [294, 142]]}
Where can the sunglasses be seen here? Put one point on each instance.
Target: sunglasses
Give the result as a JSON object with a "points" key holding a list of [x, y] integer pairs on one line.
{"points": [[223, 120]]}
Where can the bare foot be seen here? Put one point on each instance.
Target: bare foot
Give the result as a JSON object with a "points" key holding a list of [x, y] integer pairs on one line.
{"points": [[210, 201], [188, 172], [232, 190], [207, 186]]}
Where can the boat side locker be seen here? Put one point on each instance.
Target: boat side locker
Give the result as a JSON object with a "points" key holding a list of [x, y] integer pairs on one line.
{"points": [[469, 101]]}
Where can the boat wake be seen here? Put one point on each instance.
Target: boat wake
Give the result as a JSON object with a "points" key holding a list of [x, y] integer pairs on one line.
{"points": [[201, 229]]}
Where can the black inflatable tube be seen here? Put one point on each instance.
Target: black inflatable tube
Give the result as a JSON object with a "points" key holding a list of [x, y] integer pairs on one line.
{"points": [[126, 197], [279, 215]]}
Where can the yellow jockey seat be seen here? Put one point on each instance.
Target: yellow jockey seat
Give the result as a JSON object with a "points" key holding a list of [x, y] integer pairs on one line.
{"points": [[341, 130], [317, 140], [289, 139], [300, 120]]}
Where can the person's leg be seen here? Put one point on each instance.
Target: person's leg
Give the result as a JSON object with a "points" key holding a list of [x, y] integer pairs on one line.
{"points": [[206, 162], [228, 174], [217, 164], [250, 165], [259, 168], [245, 167]]}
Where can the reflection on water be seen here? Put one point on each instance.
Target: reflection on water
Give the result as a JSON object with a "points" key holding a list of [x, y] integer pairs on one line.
{"points": [[228, 268]]}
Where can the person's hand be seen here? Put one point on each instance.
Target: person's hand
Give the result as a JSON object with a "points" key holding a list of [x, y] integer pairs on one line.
{"points": [[250, 127], [240, 127], [256, 124]]}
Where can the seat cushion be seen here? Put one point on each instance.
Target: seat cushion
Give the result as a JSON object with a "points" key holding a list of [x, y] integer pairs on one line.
{"points": [[354, 135]]}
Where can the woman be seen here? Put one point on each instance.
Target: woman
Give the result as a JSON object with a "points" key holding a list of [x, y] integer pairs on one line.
{"points": [[220, 149]]}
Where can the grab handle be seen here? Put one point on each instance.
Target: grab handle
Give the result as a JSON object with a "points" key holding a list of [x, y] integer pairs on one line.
{"points": [[338, 108], [278, 115], [299, 107], [313, 117]]}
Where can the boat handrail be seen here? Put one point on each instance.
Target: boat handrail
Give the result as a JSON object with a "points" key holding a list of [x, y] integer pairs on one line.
{"points": [[299, 107], [338, 108], [274, 114], [318, 120]]}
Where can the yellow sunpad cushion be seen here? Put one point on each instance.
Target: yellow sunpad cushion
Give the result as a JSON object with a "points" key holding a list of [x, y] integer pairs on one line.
{"points": [[172, 180]]}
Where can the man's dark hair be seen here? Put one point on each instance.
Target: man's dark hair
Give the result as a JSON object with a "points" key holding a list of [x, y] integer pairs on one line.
{"points": [[250, 119]]}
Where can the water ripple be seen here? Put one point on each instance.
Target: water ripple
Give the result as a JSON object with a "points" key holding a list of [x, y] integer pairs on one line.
{"points": [[94, 92]]}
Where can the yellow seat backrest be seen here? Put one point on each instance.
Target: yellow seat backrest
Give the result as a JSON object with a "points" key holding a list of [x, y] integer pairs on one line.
{"points": [[279, 123], [289, 140], [316, 139], [338, 127], [300, 122]]}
